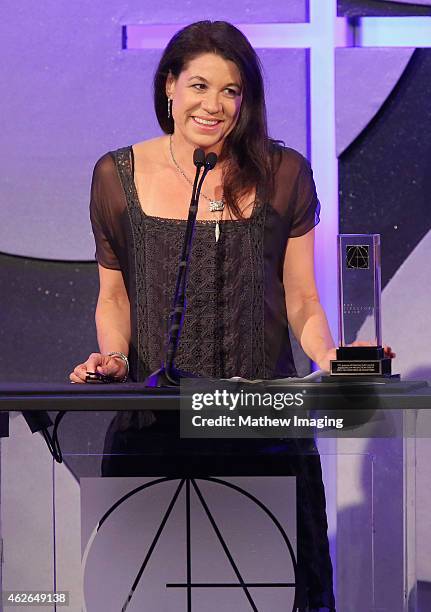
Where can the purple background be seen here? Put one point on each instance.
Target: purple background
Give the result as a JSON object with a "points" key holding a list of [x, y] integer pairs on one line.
{"points": [[363, 80], [424, 2], [70, 93], [392, 8], [76, 97]]}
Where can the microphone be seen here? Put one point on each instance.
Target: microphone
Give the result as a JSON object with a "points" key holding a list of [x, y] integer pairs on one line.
{"points": [[199, 158], [210, 161]]}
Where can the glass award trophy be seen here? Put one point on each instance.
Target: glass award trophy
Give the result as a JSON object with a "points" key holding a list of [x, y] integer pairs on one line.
{"points": [[359, 308]]}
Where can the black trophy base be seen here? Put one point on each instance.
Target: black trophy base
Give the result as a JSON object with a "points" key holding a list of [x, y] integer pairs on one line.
{"points": [[367, 362], [163, 378]]}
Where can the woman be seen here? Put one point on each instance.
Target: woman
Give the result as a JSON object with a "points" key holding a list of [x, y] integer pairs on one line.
{"points": [[252, 264]]}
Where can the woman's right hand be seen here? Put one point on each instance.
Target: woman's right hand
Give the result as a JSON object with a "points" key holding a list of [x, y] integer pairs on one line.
{"points": [[107, 365]]}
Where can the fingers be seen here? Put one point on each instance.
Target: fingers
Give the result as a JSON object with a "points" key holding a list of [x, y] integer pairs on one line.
{"points": [[389, 352], [107, 365], [94, 360], [112, 366], [79, 374]]}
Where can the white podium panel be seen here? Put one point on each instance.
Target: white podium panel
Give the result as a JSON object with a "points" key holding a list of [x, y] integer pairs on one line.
{"points": [[189, 544]]}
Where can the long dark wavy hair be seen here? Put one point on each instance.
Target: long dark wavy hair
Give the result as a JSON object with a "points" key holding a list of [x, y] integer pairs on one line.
{"points": [[247, 149]]}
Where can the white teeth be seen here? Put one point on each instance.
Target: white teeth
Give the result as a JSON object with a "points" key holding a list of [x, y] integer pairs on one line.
{"points": [[204, 121]]}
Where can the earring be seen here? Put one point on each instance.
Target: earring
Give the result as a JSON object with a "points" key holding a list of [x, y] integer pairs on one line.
{"points": [[169, 108]]}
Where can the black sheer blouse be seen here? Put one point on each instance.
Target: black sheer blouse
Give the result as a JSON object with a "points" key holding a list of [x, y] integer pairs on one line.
{"points": [[236, 322]]}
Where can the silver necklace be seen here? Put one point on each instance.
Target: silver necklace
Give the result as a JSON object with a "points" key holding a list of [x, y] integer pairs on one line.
{"points": [[214, 206]]}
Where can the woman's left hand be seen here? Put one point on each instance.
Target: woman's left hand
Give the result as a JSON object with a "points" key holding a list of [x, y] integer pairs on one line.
{"points": [[331, 354], [325, 363], [387, 349]]}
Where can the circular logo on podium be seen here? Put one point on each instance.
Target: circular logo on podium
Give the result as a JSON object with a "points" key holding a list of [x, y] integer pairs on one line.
{"points": [[201, 544]]}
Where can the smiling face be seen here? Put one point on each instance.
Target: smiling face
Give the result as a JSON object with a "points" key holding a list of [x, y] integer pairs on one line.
{"points": [[206, 100]]}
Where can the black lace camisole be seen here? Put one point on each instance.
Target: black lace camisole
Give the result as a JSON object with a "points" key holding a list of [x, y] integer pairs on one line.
{"points": [[235, 322]]}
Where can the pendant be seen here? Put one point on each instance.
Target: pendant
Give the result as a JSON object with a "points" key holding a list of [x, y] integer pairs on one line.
{"points": [[216, 205], [217, 231]]}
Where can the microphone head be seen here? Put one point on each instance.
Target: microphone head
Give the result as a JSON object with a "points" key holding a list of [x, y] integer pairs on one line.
{"points": [[198, 158], [210, 161]]}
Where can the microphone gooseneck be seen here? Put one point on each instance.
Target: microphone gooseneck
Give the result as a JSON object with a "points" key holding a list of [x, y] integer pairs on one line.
{"points": [[168, 375]]}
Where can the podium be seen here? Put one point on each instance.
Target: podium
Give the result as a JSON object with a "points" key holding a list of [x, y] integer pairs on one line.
{"points": [[205, 526]]}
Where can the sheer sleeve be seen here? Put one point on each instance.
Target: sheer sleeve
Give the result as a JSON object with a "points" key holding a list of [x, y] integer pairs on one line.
{"points": [[295, 195], [307, 206], [105, 208]]}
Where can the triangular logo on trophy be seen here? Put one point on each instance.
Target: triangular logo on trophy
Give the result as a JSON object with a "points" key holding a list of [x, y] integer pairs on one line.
{"points": [[357, 256]]}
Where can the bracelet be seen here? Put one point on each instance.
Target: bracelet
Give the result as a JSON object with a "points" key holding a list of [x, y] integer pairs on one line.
{"points": [[125, 359]]}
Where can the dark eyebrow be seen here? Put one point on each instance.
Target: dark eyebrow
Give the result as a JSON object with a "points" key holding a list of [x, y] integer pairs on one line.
{"points": [[201, 78]]}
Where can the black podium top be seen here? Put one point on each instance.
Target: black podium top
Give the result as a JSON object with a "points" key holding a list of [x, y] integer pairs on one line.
{"points": [[135, 396]]}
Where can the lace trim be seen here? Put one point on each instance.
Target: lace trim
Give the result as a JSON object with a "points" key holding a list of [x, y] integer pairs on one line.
{"points": [[168, 220], [123, 163], [258, 321]]}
